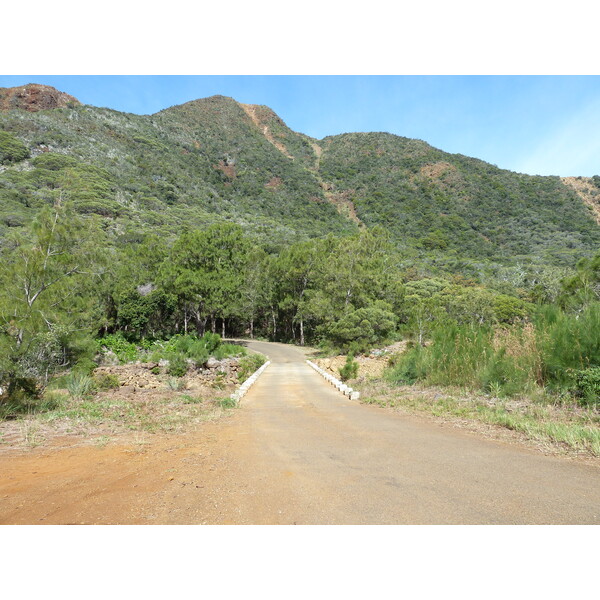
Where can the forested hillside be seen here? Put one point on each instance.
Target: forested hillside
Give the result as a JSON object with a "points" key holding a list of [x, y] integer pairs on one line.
{"points": [[215, 159], [463, 206], [215, 216]]}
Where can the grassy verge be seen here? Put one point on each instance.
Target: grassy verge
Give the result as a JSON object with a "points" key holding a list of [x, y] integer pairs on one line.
{"points": [[561, 425], [104, 415]]}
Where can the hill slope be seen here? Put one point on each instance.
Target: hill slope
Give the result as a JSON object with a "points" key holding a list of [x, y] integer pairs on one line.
{"points": [[216, 159]]}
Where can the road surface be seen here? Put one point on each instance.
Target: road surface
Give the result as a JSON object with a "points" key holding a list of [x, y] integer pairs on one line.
{"points": [[299, 452]]}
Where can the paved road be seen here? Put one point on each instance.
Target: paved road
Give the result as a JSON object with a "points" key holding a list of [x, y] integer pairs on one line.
{"points": [[313, 456], [299, 452]]}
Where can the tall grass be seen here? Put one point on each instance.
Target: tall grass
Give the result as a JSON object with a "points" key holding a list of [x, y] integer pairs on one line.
{"points": [[552, 351], [79, 386]]}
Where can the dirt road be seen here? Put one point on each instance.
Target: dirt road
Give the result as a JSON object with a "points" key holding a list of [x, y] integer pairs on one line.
{"points": [[298, 452]]}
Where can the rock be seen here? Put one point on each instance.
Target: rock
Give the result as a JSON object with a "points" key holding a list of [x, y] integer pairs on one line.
{"points": [[213, 363], [33, 97], [150, 365]]}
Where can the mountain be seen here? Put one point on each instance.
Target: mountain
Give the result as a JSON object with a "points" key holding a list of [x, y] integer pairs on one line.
{"points": [[215, 159], [33, 97]]}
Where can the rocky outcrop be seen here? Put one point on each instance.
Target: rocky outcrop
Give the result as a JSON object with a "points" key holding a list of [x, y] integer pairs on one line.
{"points": [[217, 374], [33, 97]]}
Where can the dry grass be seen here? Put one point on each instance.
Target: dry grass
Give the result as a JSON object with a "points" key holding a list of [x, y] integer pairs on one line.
{"points": [[558, 428], [108, 415]]}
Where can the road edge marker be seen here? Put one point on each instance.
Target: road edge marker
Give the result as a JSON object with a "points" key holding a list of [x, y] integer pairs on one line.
{"points": [[342, 387]]}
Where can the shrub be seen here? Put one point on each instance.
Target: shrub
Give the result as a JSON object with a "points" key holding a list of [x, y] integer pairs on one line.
{"points": [[125, 351], [11, 149], [559, 351], [567, 343], [20, 395], [84, 366], [500, 375], [363, 328], [350, 368], [53, 161], [249, 364], [79, 385], [106, 381], [199, 349], [175, 384], [227, 403], [187, 399], [406, 368], [178, 365], [587, 385]]}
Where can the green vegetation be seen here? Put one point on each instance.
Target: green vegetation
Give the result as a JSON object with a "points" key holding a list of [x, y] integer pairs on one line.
{"points": [[79, 386], [206, 162], [125, 351], [539, 419], [455, 208], [350, 368], [249, 364], [556, 351], [12, 150], [154, 237], [106, 381], [114, 414]]}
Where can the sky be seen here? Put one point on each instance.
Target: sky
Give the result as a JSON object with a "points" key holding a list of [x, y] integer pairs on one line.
{"points": [[540, 125]]}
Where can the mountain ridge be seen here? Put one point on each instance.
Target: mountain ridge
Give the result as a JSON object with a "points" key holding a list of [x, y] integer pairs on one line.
{"points": [[215, 158]]}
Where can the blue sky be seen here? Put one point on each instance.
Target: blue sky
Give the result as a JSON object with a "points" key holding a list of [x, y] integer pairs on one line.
{"points": [[545, 125]]}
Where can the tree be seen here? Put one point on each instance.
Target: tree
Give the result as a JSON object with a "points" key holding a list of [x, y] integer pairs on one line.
{"points": [[294, 273], [364, 327], [47, 303], [254, 292], [204, 271]]}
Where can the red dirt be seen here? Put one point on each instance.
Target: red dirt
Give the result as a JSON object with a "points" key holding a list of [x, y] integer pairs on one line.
{"points": [[33, 97], [298, 452]]}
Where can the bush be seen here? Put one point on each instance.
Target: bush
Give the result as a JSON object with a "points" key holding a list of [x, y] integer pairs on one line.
{"points": [[227, 403], [249, 364], [350, 368], [406, 368], [568, 343], [501, 376], [53, 161], [559, 351], [175, 384], [587, 385], [11, 149], [21, 395], [198, 349], [125, 351], [363, 328], [84, 366], [106, 381], [178, 365], [79, 385]]}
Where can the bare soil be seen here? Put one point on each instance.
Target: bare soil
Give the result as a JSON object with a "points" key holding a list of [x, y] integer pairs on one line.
{"points": [[33, 97], [144, 402], [369, 366]]}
